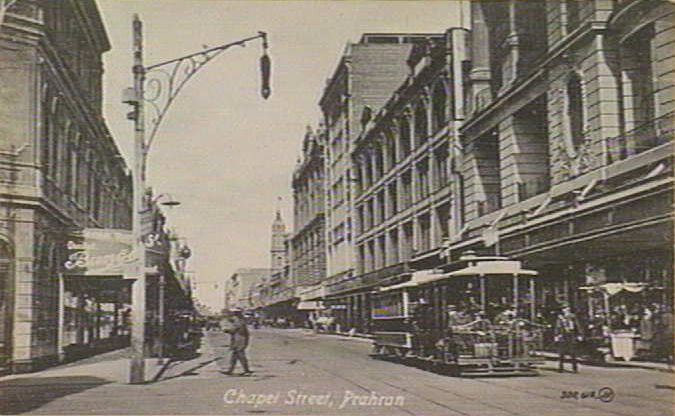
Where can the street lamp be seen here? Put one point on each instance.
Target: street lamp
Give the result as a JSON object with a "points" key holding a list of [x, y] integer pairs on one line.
{"points": [[165, 81]]}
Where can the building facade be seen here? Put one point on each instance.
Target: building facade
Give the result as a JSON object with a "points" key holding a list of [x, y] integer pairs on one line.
{"points": [[406, 202], [308, 248], [60, 169], [367, 74], [567, 151]]}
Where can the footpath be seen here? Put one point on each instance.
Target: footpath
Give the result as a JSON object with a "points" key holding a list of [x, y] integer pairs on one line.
{"points": [[96, 384]]}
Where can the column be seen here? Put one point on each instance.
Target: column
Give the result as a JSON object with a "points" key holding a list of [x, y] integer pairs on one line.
{"points": [[480, 76]]}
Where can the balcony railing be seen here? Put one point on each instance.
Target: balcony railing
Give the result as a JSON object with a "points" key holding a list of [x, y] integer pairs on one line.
{"points": [[642, 138], [532, 187]]}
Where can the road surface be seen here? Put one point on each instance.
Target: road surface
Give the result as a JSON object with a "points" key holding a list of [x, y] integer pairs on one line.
{"points": [[298, 372]]}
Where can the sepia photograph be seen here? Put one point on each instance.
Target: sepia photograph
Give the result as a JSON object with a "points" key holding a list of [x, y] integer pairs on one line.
{"points": [[325, 207]]}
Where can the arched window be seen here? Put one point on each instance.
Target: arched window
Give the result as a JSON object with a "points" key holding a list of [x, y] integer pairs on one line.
{"points": [[421, 123], [391, 148], [404, 136], [439, 106], [575, 110]]}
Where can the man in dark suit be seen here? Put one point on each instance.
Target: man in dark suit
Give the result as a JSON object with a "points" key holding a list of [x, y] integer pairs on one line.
{"points": [[567, 334], [239, 338]]}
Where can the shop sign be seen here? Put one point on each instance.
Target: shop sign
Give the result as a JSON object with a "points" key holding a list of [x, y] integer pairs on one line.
{"points": [[101, 252], [338, 307]]}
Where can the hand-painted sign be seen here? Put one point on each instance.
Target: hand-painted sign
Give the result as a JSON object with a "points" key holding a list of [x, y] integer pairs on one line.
{"points": [[101, 252]]}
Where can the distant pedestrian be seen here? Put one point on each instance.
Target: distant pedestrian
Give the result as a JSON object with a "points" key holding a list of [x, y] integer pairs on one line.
{"points": [[239, 339], [567, 335]]}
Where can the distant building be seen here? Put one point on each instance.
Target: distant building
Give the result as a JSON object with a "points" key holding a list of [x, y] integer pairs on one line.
{"points": [[308, 254], [240, 286], [278, 252]]}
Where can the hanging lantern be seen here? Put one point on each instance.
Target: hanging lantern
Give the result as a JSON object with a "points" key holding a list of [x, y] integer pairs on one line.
{"points": [[265, 72]]}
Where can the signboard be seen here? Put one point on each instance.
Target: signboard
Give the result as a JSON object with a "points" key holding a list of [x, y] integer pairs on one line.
{"points": [[101, 252]]}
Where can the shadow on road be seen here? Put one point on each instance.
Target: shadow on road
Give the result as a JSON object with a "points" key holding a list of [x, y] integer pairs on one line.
{"points": [[189, 372], [24, 394]]}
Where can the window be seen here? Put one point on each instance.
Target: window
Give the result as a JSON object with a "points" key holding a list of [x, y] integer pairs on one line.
{"points": [[379, 161], [572, 14], [439, 105], [575, 110], [443, 218], [371, 256], [393, 247], [391, 150], [393, 199], [406, 189], [425, 233], [423, 178], [381, 252], [421, 123], [381, 207], [407, 246], [404, 137], [441, 166]]}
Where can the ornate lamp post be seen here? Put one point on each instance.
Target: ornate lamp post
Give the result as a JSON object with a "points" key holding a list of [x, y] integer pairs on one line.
{"points": [[165, 81]]}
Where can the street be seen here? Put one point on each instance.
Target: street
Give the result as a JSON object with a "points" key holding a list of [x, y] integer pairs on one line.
{"points": [[298, 372]]}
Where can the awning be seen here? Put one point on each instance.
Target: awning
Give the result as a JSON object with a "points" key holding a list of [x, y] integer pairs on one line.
{"points": [[614, 288], [109, 289], [309, 305], [497, 267], [418, 278]]}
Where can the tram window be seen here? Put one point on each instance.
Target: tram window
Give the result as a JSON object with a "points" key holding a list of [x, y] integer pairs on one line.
{"points": [[498, 296]]}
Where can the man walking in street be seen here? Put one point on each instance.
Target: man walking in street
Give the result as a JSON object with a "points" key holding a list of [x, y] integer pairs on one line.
{"points": [[239, 338], [567, 334]]}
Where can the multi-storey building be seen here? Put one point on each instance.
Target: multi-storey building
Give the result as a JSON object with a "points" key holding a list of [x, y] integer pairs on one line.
{"points": [[405, 203], [308, 249], [60, 169], [364, 79], [567, 149]]}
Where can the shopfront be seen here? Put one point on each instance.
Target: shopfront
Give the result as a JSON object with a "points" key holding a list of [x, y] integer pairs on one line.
{"points": [[94, 295]]}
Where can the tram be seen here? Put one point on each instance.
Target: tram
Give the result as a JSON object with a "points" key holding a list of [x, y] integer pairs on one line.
{"points": [[474, 317]]}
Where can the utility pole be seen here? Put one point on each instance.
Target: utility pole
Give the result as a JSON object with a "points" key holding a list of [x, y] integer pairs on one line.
{"points": [[137, 370], [182, 70]]}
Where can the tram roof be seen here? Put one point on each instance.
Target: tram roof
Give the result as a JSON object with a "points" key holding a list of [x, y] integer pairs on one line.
{"points": [[496, 267]]}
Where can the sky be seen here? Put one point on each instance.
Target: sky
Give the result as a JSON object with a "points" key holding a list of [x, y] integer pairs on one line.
{"points": [[224, 152]]}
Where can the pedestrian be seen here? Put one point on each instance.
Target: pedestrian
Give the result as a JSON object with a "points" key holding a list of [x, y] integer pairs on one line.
{"points": [[239, 338], [567, 335]]}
